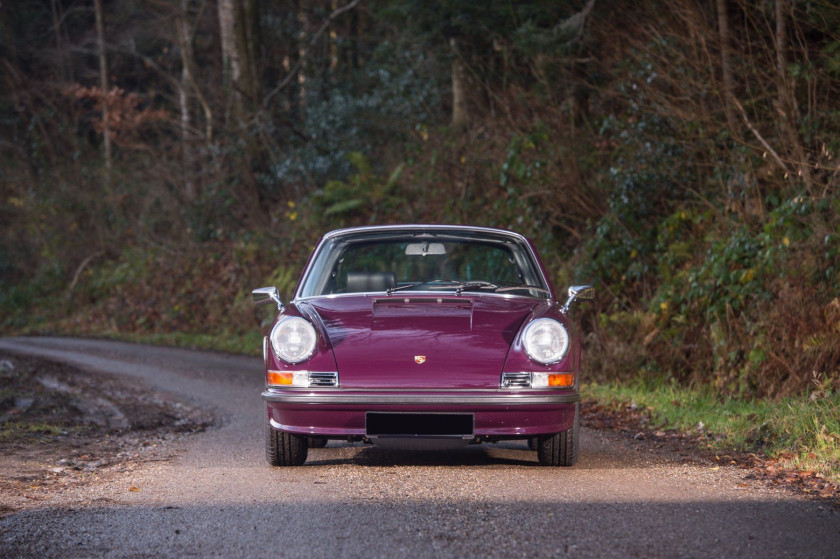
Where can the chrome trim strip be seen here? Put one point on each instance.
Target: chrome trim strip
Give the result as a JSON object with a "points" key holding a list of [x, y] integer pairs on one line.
{"points": [[412, 391], [465, 296], [495, 398], [429, 226], [265, 350], [307, 371]]}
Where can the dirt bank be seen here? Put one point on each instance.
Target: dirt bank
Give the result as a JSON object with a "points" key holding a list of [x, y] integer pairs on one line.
{"points": [[61, 426]]}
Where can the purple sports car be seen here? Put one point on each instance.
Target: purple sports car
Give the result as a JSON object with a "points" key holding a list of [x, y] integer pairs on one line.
{"points": [[422, 337]]}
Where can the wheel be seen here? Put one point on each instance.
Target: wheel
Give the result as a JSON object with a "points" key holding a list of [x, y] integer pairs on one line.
{"points": [[284, 449], [316, 442], [560, 449]]}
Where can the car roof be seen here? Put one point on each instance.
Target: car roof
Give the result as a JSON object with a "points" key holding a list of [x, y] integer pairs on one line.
{"points": [[421, 228]]}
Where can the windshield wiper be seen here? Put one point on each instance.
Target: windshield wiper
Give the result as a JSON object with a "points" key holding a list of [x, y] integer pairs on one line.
{"points": [[479, 284], [464, 285], [392, 289], [517, 287]]}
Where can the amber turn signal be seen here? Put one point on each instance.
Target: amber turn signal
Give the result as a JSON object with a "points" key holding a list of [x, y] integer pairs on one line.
{"points": [[279, 378], [561, 380]]}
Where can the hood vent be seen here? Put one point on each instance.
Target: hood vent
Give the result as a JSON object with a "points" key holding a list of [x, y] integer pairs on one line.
{"points": [[426, 313], [396, 300]]}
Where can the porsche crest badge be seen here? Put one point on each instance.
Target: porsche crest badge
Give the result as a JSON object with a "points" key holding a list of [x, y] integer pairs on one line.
{"points": [[419, 359]]}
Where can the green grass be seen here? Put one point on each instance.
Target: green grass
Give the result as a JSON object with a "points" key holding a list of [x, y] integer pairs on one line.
{"points": [[21, 430], [802, 431], [247, 344]]}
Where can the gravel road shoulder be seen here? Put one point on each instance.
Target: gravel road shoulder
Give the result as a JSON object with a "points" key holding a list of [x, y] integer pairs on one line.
{"points": [[61, 427]]}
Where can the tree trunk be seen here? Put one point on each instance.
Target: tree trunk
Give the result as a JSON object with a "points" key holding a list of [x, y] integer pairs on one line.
{"points": [[239, 30], [781, 49], [64, 69], [355, 37], [460, 104], [294, 93], [184, 34], [103, 85], [247, 37], [726, 65], [231, 62]]}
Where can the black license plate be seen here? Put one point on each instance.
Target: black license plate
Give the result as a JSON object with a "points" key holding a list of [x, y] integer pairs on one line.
{"points": [[383, 424]]}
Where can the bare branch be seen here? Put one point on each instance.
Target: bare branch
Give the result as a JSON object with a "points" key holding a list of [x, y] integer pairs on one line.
{"points": [[758, 136], [80, 269], [296, 68]]}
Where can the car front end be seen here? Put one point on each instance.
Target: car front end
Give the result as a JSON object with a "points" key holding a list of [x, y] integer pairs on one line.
{"points": [[422, 337]]}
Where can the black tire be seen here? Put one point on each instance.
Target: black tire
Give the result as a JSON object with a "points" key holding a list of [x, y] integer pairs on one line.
{"points": [[316, 442], [284, 449], [560, 449]]}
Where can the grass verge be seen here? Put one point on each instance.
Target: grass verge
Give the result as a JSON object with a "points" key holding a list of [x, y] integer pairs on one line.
{"points": [[245, 344], [801, 432], [23, 431]]}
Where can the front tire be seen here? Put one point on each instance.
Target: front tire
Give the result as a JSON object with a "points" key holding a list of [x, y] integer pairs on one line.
{"points": [[284, 449], [560, 449]]}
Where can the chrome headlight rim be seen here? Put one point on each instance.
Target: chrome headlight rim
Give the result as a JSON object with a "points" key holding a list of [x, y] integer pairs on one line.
{"points": [[280, 342], [558, 329]]}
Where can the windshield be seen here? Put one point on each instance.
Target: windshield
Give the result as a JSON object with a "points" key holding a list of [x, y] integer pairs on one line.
{"points": [[392, 261]]}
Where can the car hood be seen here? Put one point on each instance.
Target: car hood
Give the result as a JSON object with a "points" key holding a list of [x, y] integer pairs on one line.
{"points": [[421, 342]]}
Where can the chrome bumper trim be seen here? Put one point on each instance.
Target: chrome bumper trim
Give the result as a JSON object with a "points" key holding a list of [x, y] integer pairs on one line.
{"points": [[496, 398]]}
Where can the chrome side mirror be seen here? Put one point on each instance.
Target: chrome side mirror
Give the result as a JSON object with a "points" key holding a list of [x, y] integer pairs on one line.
{"points": [[265, 295], [582, 292]]}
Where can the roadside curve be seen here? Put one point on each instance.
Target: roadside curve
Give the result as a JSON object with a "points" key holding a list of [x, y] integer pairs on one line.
{"points": [[218, 497]]}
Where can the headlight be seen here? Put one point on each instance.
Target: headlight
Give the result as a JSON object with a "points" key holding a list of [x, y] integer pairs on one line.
{"points": [[293, 339], [546, 341]]}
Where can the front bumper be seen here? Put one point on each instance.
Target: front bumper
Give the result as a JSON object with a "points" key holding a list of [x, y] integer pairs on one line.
{"points": [[497, 413]]}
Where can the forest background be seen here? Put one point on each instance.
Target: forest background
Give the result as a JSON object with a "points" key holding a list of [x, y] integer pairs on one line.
{"points": [[161, 158]]}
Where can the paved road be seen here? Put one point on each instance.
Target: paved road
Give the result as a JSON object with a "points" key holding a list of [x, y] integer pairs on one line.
{"points": [[220, 498]]}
